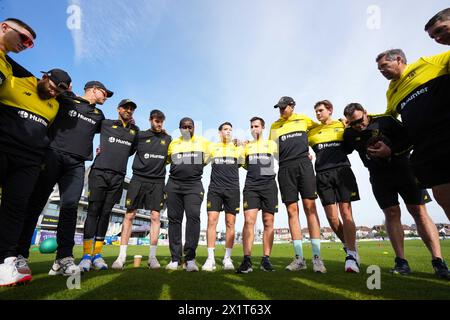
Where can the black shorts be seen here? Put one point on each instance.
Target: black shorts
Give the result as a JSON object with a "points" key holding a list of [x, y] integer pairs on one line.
{"points": [[265, 199], [297, 178], [227, 200], [387, 185], [145, 195], [434, 172], [105, 186], [337, 185]]}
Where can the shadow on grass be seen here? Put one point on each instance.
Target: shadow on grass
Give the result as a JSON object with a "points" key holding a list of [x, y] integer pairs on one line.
{"points": [[142, 283]]}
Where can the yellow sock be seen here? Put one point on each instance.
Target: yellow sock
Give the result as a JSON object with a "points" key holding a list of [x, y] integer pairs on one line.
{"points": [[98, 247], [87, 246]]}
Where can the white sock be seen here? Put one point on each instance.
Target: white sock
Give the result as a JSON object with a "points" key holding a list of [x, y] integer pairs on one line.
{"points": [[210, 253], [123, 252], [352, 253], [228, 252], [152, 251]]}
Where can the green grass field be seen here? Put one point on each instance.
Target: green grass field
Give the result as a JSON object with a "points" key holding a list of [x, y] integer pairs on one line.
{"points": [[142, 283]]}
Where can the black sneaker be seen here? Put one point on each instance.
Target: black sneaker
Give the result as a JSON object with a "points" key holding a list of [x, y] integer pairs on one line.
{"points": [[440, 268], [245, 267], [401, 266], [266, 265]]}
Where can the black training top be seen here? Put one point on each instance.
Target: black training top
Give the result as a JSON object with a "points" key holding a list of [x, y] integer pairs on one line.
{"points": [[187, 159], [326, 141], [225, 161], [260, 158], [422, 97], [75, 126], [291, 137], [384, 128], [117, 143], [151, 156]]}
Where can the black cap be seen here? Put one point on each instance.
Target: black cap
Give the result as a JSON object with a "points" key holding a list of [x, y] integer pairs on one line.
{"points": [[98, 84], [127, 101], [284, 102], [61, 78]]}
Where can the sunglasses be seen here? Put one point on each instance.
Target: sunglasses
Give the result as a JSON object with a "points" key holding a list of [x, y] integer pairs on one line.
{"points": [[356, 122], [60, 88], [26, 40], [102, 91]]}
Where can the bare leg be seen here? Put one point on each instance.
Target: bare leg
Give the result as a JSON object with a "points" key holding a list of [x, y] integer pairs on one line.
{"points": [[335, 223], [230, 220], [395, 230], [426, 228], [349, 225], [154, 228], [442, 195], [126, 227], [248, 233], [294, 221], [268, 232], [213, 218], [309, 206]]}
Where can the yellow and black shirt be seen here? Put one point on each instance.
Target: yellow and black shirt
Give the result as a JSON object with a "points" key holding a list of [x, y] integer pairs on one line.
{"points": [[117, 143], [291, 137], [260, 158], [151, 156], [75, 126], [187, 159], [384, 128], [422, 97], [225, 161], [24, 117], [326, 141]]}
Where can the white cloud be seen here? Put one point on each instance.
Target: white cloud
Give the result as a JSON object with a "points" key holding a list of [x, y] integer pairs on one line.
{"points": [[109, 28]]}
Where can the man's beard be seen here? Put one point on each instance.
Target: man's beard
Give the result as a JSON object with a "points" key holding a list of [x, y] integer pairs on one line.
{"points": [[43, 91]]}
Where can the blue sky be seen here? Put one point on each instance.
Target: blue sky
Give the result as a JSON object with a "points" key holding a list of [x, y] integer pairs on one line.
{"points": [[220, 60]]}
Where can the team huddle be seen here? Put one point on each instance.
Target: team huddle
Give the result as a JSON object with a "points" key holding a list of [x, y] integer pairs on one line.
{"points": [[47, 132]]}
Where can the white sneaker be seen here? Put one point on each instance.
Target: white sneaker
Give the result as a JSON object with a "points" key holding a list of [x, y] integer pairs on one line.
{"points": [[173, 265], [99, 263], [85, 263], [297, 264], [351, 264], [318, 265], [10, 276], [118, 264], [227, 263], [153, 263], [191, 266], [209, 266], [22, 265], [357, 255], [65, 266]]}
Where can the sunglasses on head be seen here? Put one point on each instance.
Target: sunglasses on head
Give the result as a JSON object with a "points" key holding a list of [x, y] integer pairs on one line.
{"points": [[26, 40], [59, 88]]}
